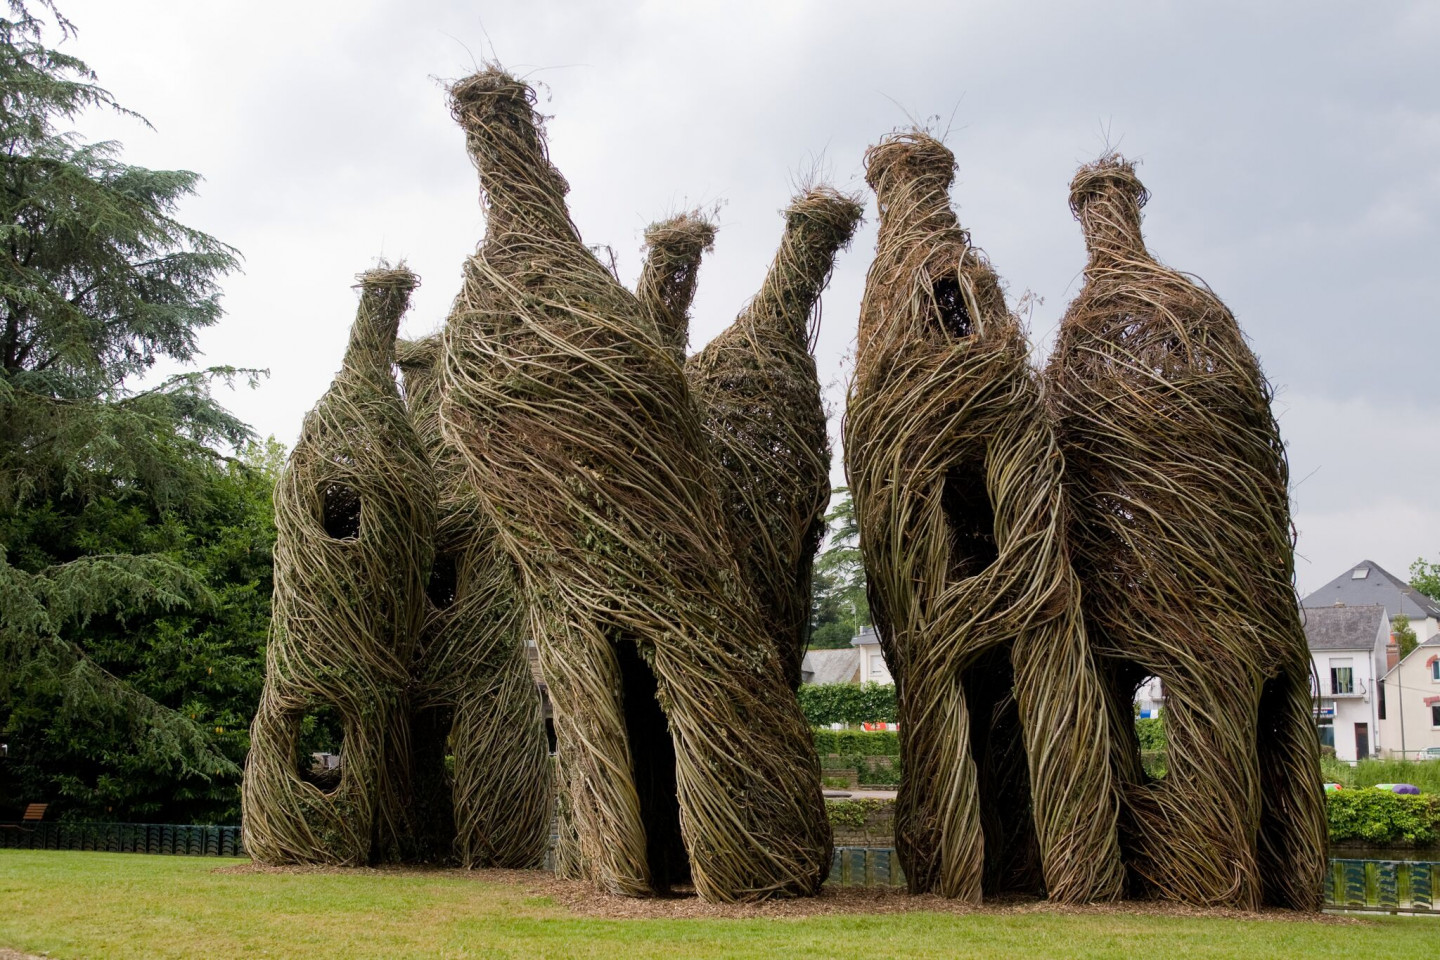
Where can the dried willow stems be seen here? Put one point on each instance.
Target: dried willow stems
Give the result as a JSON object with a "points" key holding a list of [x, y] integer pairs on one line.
{"points": [[585, 448], [354, 511], [473, 690], [667, 281], [759, 397], [1181, 536], [956, 479]]}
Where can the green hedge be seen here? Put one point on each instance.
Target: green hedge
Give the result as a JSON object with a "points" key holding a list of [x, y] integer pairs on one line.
{"points": [[827, 703], [1383, 818], [865, 743], [1356, 816]]}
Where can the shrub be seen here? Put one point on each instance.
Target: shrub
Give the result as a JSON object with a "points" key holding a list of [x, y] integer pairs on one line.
{"points": [[827, 703], [1150, 731], [855, 814], [1383, 818], [869, 743], [877, 774]]}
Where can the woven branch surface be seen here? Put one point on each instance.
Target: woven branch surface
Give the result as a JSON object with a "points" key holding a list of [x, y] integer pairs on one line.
{"points": [[354, 512], [474, 695], [673, 718], [1181, 536], [759, 397], [956, 478], [673, 249]]}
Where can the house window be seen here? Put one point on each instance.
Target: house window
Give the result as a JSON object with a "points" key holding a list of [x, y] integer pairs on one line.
{"points": [[1325, 728], [1342, 677], [1435, 715], [1435, 670], [1382, 701]]}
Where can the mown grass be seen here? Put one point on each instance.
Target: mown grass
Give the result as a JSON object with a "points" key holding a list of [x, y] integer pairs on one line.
{"points": [[123, 906]]}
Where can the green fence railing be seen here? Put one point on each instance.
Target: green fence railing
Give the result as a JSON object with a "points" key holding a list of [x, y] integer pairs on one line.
{"points": [[169, 838], [1395, 886]]}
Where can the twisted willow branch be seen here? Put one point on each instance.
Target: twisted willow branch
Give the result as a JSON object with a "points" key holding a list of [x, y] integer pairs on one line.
{"points": [[584, 445], [354, 511], [956, 479], [473, 687], [667, 281], [1181, 536], [759, 396]]}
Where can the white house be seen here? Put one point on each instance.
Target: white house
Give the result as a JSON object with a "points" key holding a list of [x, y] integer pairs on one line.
{"points": [[1149, 697], [1347, 646], [873, 668], [1410, 722], [863, 662]]}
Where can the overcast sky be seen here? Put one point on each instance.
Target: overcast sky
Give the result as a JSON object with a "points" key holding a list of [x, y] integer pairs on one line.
{"points": [[1292, 150]]}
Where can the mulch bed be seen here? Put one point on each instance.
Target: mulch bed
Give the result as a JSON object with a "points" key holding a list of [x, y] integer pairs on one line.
{"points": [[583, 900]]}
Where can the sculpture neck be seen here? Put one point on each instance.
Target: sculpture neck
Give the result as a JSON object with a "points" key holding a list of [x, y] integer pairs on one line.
{"points": [[1110, 221], [817, 225]]}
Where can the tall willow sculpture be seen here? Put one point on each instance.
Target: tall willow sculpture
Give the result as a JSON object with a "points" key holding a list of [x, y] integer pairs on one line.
{"points": [[667, 281], [1181, 537], [473, 690], [354, 511], [681, 749], [760, 400], [956, 479]]}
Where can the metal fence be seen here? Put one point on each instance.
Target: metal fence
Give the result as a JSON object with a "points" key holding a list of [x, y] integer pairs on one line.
{"points": [[1394, 886], [170, 838]]}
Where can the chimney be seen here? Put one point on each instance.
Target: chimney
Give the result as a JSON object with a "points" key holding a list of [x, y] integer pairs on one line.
{"points": [[1392, 654]]}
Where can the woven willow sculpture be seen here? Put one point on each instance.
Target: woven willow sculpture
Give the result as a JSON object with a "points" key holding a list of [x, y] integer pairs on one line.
{"points": [[1181, 536], [676, 732], [473, 690], [354, 511], [667, 281], [760, 400], [956, 479]]}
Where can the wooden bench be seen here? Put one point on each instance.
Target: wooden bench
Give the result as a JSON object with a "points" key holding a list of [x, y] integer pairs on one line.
{"points": [[34, 813]]}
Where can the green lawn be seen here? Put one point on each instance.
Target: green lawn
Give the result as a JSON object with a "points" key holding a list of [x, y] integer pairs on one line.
{"points": [[120, 906]]}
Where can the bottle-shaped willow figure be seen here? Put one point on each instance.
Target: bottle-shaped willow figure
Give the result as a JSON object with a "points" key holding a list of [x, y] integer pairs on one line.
{"points": [[759, 397], [354, 511], [666, 288], [1181, 537], [956, 479], [681, 749], [474, 697]]}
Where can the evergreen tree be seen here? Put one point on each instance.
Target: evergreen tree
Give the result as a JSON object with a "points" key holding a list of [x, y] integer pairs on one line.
{"points": [[838, 606], [130, 546]]}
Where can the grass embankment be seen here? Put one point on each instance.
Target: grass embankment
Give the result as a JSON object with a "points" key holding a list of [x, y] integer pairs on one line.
{"points": [[1423, 774], [128, 906]]}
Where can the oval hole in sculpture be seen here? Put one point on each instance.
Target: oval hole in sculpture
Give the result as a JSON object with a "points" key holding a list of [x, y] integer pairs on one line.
{"points": [[319, 748], [950, 307], [340, 510], [970, 518], [1150, 728]]}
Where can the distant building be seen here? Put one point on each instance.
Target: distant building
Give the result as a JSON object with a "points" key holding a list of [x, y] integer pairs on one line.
{"points": [[1149, 698], [873, 668], [1348, 648], [863, 662], [1411, 722], [830, 666], [1367, 582]]}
